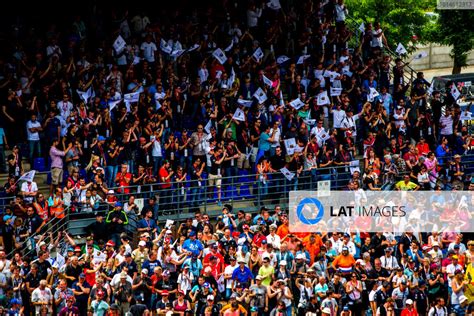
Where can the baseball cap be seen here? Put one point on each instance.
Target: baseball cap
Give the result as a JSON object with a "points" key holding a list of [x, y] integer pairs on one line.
{"points": [[456, 246], [455, 257], [241, 261], [192, 233], [118, 204], [245, 226], [283, 263], [462, 299], [300, 256], [100, 293], [165, 293], [409, 302], [206, 285], [101, 138], [145, 271], [326, 310], [77, 248], [435, 244], [110, 243], [259, 277], [142, 243], [210, 297], [345, 248], [123, 275], [110, 192]]}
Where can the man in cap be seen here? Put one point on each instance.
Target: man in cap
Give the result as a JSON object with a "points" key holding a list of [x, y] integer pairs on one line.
{"points": [[132, 268], [162, 304], [141, 286], [242, 274], [409, 309], [116, 220], [123, 293], [42, 296], [140, 254], [193, 245], [257, 294], [400, 295], [344, 262], [81, 290], [98, 305], [98, 229], [389, 261]]}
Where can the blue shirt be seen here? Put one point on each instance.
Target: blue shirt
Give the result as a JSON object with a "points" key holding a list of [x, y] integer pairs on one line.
{"points": [[143, 223], [242, 276], [194, 246], [2, 135]]}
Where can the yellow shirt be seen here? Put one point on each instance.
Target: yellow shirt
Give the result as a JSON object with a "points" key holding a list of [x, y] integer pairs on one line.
{"points": [[410, 186], [266, 273]]}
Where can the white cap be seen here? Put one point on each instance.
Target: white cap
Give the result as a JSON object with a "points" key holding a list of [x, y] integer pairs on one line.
{"points": [[409, 302], [142, 243], [326, 310], [210, 297], [300, 256], [283, 263], [436, 244], [169, 231], [110, 192], [462, 299]]}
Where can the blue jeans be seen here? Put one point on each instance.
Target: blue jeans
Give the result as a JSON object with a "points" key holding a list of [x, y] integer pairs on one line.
{"points": [[262, 190], [194, 196], [35, 147], [111, 172], [458, 310]]}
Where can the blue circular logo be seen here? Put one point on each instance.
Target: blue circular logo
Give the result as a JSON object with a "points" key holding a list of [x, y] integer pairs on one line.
{"points": [[303, 218]]}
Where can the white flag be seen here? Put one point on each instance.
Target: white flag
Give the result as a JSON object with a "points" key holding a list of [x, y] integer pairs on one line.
{"points": [[113, 104], [157, 105], [29, 176], [267, 81], [287, 173], [336, 92], [455, 92], [466, 116], [239, 115], [177, 53], [301, 59], [231, 78], [136, 60], [194, 47], [258, 54], [132, 97], [165, 47], [333, 76], [362, 27], [297, 104], [208, 126], [218, 74], [228, 48], [119, 44], [220, 56], [260, 95], [246, 103], [323, 98], [290, 145], [84, 95], [431, 88], [401, 49], [372, 95], [421, 55], [282, 101], [282, 59]]}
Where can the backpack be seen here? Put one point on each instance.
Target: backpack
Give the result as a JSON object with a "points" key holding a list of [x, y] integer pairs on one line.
{"points": [[436, 311]]}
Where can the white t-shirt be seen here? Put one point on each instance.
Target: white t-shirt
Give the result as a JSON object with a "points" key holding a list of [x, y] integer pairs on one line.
{"points": [[450, 269], [338, 115], [376, 41], [29, 187], [156, 147], [39, 295], [229, 270], [32, 135], [149, 50], [64, 108]]}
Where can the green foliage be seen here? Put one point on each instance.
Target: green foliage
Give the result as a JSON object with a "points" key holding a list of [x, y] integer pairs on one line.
{"points": [[454, 28], [401, 20]]}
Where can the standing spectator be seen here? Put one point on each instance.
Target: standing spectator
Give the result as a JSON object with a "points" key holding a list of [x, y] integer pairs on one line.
{"points": [[42, 296], [116, 219], [33, 127], [56, 156]]}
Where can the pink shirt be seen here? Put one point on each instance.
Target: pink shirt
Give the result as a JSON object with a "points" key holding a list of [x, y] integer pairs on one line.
{"points": [[56, 157]]}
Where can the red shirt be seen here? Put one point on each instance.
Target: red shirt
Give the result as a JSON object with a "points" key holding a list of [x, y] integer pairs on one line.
{"points": [[166, 184], [124, 181]]}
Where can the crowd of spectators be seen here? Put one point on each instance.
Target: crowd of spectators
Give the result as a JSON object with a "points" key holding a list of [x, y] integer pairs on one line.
{"points": [[283, 94]]}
